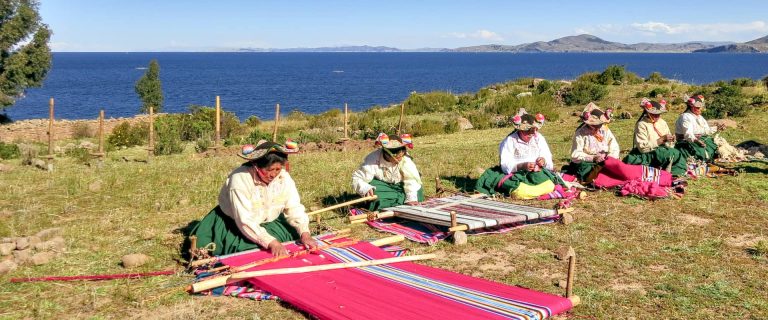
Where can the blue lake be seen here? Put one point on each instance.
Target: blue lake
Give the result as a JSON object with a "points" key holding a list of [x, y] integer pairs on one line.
{"points": [[252, 83]]}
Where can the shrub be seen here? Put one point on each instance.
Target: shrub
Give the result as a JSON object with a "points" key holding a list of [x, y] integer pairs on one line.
{"points": [[324, 135], [547, 87], [583, 92], [9, 151], [759, 100], [81, 155], [437, 101], [481, 120], [765, 81], [253, 121], [727, 101], [168, 138], [658, 92], [330, 118], [257, 135], [617, 75], [296, 115], [427, 127], [744, 82], [657, 78], [509, 104], [127, 135], [81, 130], [202, 144]]}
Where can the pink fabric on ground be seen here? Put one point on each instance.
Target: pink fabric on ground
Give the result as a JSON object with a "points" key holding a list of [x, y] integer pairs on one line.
{"points": [[644, 189], [359, 294], [616, 173]]}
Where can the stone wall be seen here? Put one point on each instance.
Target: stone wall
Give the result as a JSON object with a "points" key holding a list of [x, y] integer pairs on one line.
{"points": [[36, 130]]}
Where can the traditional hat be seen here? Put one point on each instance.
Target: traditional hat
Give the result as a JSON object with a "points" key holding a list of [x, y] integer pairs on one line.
{"points": [[524, 121], [403, 141], [264, 147], [654, 107], [592, 115], [696, 101]]}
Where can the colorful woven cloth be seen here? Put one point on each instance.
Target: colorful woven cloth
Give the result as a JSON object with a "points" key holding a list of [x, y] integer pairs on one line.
{"points": [[419, 292]]}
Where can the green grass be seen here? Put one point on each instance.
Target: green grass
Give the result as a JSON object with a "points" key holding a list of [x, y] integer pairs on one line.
{"points": [[635, 258]]}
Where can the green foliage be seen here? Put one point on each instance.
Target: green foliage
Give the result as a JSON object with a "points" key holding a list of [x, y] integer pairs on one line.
{"points": [[203, 143], [322, 135], [437, 101], [589, 77], [427, 127], [150, 89], [296, 115], [127, 135], [654, 93], [584, 92], [81, 130], [257, 135], [728, 100], [744, 82], [9, 151], [373, 121], [509, 104], [330, 118], [759, 100], [617, 75], [764, 80], [657, 78], [547, 87], [481, 120], [168, 136], [81, 155], [253, 121], [25, 57]]}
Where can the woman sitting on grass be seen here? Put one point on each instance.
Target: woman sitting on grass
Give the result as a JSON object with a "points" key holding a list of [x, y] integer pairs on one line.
{"points": [[525, 162], [593, 142], [694, 134], [389, 173], [259, 206], [654, 142]]}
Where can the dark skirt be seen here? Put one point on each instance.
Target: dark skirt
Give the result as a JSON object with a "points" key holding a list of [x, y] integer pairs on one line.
{"points": [[706, 153], [390, 195], [488, 182], [663, 157]]}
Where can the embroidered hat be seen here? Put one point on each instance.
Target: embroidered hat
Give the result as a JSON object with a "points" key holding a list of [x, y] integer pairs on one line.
{"points": [[395, 142], [592, 115], [264, 147], [696, 101], [524, 121], [654, 107]]}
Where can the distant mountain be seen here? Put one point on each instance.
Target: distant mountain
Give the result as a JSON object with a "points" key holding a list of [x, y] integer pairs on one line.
{"points": [[754, 46], [326, 49], [590, 43]]}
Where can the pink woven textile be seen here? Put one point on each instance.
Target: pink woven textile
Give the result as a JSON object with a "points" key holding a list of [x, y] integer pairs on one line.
{"points": [[644, 189], [617, 173]]}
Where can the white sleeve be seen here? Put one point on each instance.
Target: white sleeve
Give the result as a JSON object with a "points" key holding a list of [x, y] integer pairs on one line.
{"points": [[411, 180], [577, 150], [545, 153], [613, 145], [507, 156], [362, 177], [294, 212], [247, 219], [685, 125]]}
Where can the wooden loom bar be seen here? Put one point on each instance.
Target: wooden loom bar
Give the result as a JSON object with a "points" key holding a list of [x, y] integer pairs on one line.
{"points": [[343, 204], [277, 122], [332, 266], [388, 240]]}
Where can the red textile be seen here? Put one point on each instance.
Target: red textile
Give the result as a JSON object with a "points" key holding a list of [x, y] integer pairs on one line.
{"points": [[616, 173], [356, 294], [644, 189]]}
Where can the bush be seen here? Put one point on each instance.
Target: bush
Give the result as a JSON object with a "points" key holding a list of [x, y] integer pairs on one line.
{"points": [[727, 101], [257, 135], [203, 144], [296, 115], [437, 101], [330, 118], [9, 151], [759, 100], [427, 127], [508, 105], [168, 138], [584, 92], [81, 130], [656, 78], [765, 81], [659, 92], [324, 135], [481, 120], [81, 155], [127, 135], [743, 82], [547, 87], [253, 121]]}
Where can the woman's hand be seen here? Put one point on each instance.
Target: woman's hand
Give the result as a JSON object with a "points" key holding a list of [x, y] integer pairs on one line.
{"points": [[277, 249], [308, 242], [541, 162], [599, 158], [700, 142], [370, 192]]}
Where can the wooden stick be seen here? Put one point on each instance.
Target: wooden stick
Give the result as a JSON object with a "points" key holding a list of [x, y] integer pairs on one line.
{"points": [[277, 122], [376, 215], [217, 142], [388, 240], [575, 300], [291, 255], [101, 133], [96, 277], [453, 219], [571, 272], [400, 124], [50, 128], [343, 204], [220, 281], [346, 121], [461, 227], [151, 148]]}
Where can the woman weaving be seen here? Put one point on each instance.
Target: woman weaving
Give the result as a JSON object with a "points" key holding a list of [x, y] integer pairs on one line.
{"points": [[592, 144], [694, 134], [654, 143], [259, 206], [389, 173], [525, 162]]}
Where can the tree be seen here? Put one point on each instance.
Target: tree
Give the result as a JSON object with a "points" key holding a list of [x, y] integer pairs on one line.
{"points": [[25, 57], [149, 89]]}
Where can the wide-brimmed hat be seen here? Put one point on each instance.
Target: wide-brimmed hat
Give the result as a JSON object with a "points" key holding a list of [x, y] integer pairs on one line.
{"points": [[264, 147], [654, 107], [394, 142], [696, 101], [524, 121], [592, 115]]}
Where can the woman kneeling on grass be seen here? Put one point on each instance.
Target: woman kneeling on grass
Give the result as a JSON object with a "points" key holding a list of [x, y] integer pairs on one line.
{"points": [[694, 134], [259, 206], [525, 162], [593, 142], [654, 142], [389, 173]]}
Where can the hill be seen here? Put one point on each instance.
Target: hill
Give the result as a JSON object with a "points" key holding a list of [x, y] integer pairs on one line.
{"points": [[590, 43], [758, 45]]}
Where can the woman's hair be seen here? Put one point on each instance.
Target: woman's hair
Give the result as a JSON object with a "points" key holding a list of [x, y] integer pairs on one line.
{"points": [[270, 159]]}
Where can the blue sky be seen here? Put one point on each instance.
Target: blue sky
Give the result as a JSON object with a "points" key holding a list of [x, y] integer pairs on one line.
{"points": [[193, 25]]}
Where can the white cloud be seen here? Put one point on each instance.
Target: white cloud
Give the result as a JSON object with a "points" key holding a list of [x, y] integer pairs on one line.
{"points": [[709, 29], [479, 34]]}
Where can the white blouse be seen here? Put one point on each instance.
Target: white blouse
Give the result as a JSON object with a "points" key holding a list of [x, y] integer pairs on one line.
{"points": [[374, 166], [585, 145], [514, 151], [688, 125], [250, 204]]}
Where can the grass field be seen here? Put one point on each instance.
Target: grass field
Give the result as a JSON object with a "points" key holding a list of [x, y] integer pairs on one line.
{"points": [[702, 257]]}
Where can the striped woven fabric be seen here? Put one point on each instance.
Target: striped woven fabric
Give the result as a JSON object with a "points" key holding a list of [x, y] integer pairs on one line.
{"points": [[476, 213], [651, 174], [403, 290]]}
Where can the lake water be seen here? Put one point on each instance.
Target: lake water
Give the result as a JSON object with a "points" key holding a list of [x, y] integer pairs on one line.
{"points": [[252, 83]]}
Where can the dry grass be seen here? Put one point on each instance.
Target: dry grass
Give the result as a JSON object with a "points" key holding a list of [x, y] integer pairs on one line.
{"points": [[635, 258]]}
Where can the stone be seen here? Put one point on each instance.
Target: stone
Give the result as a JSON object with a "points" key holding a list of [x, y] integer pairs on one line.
{"points": [[184, 202], [22, 256], [7, 266], [5, 168], [88, 145], [7, 248], [562, 283], [49, 233], [134, 260], [22, 243], [95, 186], [464, 123], [625, 115], [56, 244], [40, 164], [524, 94], [42, 258], [728, 123], [565, 252], [34, 240], [459, 238]]}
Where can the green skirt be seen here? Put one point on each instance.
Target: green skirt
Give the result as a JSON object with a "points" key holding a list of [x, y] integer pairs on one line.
{"points": [[390, 195], [663, 157], [706, 153], [218, 228], [581, 170], [489, 180]]}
